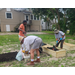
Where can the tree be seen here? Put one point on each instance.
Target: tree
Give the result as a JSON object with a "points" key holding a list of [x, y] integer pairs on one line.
{"points": [[45, 13], [71, 18], [50, 13]]}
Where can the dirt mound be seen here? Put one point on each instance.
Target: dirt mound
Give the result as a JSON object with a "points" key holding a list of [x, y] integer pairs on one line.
{"points": [[8, 56]]}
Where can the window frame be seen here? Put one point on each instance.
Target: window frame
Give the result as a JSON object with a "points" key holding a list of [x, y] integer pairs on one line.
{"points": [[6, 15], [32, 16], [27, 19]]}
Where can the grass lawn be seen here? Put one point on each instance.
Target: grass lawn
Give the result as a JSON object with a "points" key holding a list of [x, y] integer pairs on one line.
{"points": [[48, 32], [68, 36], [10, 43]]}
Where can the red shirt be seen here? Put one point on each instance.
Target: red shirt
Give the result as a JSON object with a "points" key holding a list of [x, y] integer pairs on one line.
{"points": [[23, 28]]}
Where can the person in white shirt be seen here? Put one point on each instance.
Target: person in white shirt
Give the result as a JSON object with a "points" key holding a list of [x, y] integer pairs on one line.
{"points": [[31, 43], [60, 37]]}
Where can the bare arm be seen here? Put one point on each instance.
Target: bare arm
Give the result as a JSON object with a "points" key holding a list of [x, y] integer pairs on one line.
{"points": [[56, 39], [63, 35], [21, 30]]}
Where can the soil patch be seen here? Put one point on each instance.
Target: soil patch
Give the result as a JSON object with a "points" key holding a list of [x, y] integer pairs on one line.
{"points": [[8, 56], [53, 48]]}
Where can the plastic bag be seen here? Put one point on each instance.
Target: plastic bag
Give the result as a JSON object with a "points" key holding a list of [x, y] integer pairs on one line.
{"points": [[20, 55]]}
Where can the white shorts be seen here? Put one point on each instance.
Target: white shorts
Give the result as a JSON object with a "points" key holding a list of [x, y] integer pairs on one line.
{"points": [[20, 36]]}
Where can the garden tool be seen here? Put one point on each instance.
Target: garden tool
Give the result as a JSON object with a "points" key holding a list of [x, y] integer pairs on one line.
{"points": [[54, 48], [57, 42], [25, 35]]}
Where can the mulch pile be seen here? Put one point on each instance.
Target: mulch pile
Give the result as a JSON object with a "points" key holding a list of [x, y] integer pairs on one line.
{"points": [[8, 56]]}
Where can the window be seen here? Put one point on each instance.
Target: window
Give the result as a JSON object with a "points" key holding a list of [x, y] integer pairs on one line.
{"points": [[26, 17], [9, 15], [31, 17], [34, 17], [8, 9]]}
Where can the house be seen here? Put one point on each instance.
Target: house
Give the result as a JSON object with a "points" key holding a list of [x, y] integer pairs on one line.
{"points": [[45, 25], [10, 19]]}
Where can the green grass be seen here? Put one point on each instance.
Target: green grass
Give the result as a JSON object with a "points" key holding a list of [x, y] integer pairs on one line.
{"points": [[1, 50], [62, 65], [73, 51], [13, 39], [52, 32], [8, 39]]}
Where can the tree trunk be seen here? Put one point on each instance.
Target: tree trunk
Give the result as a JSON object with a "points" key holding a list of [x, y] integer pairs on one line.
{"points": [[52, 12], [46, 26], [55, 22], [64, 21], [58, 18]]}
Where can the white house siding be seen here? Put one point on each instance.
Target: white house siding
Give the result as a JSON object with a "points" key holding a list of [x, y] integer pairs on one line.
{"points": [[43, 24]]}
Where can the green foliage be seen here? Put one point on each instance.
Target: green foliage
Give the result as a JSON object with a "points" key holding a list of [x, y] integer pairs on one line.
{"points": [[71, 16], [62, 24], [41, 11], [72, 28], [50, 13], [53, 27]]}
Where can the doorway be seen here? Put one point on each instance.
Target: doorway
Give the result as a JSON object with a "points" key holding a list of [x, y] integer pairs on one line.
{"points": [[7, 27]]}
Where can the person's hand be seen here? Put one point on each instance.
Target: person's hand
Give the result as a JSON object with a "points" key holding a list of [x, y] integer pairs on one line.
{"points": [[23, 51], [26, 52], [56, 41], [24, 32], [60, 38]]}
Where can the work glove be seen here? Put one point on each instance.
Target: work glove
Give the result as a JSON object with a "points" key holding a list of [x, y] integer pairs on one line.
{"points": [[23, 51], [60, 38], [56, 41], [26, 52]]}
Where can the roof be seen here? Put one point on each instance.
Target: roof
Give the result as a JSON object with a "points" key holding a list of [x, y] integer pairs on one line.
{"points": [[19, 10], [27, 12]]}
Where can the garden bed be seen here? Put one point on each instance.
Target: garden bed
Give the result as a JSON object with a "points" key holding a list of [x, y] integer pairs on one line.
{"points": [[58, 53], [8, 56], [68, 46]]}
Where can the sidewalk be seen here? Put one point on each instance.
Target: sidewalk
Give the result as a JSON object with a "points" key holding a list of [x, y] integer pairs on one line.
{"points": [[11, 33]]}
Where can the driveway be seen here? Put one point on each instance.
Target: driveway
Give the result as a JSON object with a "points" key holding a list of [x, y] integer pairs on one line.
{"points": [[10, 33]]}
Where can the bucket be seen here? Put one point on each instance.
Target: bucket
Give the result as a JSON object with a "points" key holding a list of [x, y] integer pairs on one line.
{"points": [[26, 57]]}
